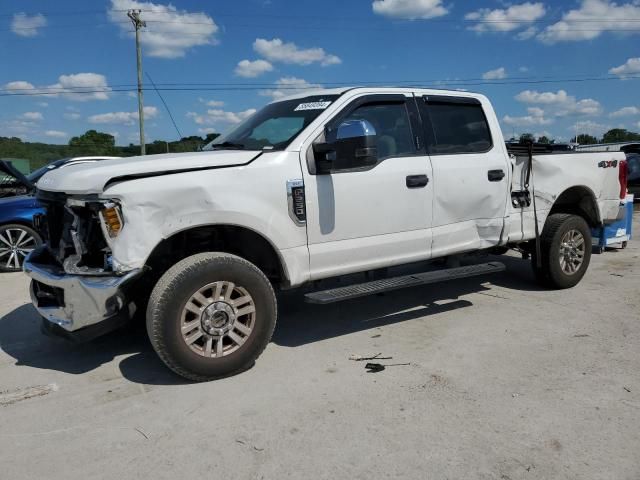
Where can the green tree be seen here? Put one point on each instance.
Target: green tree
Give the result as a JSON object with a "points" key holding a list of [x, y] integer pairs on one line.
{"points": [[619, 135], [544, 139], [584, 139], [93, 142], [527, 137]]}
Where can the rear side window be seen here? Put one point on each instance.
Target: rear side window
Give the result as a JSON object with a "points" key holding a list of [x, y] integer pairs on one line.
{"points": [[457, 128]]}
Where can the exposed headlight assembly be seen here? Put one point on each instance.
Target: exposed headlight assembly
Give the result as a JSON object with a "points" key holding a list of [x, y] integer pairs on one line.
{"points": [[111, 220]]}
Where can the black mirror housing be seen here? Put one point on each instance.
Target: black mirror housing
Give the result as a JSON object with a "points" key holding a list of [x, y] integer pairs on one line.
{"points": [[352, 146]]}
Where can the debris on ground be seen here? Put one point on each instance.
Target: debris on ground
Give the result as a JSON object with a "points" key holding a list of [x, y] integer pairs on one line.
{"points": [[378, 367], [9, 397], [627, 389], [360, 358]]}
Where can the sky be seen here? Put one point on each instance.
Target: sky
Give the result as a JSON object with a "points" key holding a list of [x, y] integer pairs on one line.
{"points": [[550, 68]]}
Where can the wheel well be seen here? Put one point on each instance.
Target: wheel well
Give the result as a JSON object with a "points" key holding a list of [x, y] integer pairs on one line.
{"points": [[239, 241], [579, 201]]}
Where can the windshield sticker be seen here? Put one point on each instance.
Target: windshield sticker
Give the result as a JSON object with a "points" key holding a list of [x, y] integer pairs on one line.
{"points": [[312, 106]]}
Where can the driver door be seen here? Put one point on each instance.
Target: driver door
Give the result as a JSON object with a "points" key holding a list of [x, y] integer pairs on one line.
{"points": [[379, 215]]}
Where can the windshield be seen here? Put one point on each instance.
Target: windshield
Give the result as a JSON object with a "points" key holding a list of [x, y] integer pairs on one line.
{"points": [[633, 165], [274, 126], [37, 174]]}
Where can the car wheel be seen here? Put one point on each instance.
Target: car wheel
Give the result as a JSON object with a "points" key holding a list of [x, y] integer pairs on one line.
{"points": [[16, 242], [211, 315], [565, 247]]}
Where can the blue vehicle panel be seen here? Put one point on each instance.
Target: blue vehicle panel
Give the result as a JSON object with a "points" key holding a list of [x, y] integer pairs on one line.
{"points": [[19, 209]]}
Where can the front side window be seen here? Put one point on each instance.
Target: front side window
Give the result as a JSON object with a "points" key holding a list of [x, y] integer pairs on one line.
{"points": [[392, 127], [458, 128], [274, 126]]}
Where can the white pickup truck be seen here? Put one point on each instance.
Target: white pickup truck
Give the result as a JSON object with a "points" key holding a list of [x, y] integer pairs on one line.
{"points": [[310, 187]]}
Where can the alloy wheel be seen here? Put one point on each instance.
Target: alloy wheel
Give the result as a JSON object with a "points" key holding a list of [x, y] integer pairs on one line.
{"points": [[15, 245], [218, 319]]}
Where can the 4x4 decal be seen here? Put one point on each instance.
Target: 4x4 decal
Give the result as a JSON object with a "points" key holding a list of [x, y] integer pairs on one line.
{"points": [[608, 164]]}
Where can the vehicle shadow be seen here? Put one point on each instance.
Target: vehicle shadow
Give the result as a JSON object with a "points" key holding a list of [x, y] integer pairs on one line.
{"points": [[298, 324], [301, 323]]}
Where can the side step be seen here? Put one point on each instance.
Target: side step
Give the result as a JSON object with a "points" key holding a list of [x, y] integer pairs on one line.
{"points": [[396, 283]]}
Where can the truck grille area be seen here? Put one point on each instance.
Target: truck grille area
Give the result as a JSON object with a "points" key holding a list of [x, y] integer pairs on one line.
{"points": [[73, 234]]}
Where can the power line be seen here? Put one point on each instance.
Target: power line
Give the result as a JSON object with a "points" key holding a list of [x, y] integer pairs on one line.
{"points": [[165, 106], [416, 83], [265, 85], [351, 20]]}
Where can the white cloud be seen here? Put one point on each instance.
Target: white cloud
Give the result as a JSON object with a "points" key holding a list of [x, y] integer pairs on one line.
{"points": [[22, 128], [637, 125], [497, 74], [625, 112], [410, 9], [43, 104], [71, 115], [278, 51], [561, 104], [93, 83], [123, 118], [56, 134], [27, 26], [535, 117], [590, 127], [527, 33], [590, 20], [252, 69], [32, 116], [170, 32], [211, 103], [78, 86], [507, 19], [216, 116], [286, 86], [532, 96], [632, 66]]}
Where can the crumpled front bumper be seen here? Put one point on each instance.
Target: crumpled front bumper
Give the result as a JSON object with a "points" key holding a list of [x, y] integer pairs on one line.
{"points": [[79, 307]]}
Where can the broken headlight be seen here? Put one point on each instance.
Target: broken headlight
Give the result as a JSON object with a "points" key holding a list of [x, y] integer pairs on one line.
{"points": [[111, 220]]}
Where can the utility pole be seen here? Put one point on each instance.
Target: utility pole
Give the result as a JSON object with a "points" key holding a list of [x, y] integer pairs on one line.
{"points": [[134, 15]]}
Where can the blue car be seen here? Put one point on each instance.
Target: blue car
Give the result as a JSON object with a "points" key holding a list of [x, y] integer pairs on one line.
{"points": [[18, 236]]}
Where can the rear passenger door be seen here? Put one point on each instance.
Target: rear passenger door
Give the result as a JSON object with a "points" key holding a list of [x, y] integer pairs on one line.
{"points": [[470, 174]]}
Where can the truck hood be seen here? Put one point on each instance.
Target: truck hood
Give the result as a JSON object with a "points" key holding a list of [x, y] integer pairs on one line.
{"points": [[89, 178]]}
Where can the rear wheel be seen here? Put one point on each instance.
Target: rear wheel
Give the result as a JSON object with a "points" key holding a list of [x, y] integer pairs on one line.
{"points": [[211, 315], [16, 242], [565, 247]]}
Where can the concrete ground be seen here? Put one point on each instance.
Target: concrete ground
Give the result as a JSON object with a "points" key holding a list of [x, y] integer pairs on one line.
{"points": [[506, 381]]}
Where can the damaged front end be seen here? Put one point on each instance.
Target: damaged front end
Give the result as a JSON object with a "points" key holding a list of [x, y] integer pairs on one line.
{"points": [[75, 287]]}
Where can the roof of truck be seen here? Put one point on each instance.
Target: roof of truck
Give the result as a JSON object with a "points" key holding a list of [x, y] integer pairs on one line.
{"points": [[341, 90]]}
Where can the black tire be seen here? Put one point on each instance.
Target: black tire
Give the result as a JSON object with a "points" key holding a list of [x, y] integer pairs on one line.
{"points": [[176, 287], [551, 274], [10, 232]]}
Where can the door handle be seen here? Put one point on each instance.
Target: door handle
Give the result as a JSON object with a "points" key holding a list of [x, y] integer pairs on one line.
{"points": [[495, 175], [417, 181]]}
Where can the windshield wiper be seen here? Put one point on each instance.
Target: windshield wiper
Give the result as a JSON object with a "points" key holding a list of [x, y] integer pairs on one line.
{"points": [[227, 145]]}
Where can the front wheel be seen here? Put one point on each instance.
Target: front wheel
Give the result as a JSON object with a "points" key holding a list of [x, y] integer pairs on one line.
{"points": [[565, 247], [211, 315]]}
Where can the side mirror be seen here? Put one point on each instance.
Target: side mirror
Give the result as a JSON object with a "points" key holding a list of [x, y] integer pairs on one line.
{"points": [[350, 146]]}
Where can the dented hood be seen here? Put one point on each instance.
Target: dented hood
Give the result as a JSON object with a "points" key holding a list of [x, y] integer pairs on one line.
{"points": [[88, 178]]}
